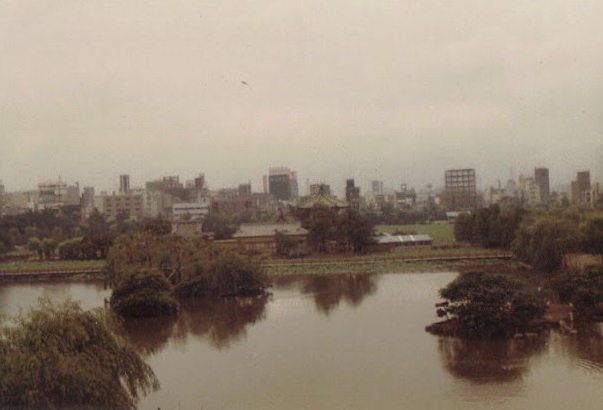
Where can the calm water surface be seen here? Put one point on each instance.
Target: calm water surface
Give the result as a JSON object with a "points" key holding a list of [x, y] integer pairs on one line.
{"points": [[343, 342]]}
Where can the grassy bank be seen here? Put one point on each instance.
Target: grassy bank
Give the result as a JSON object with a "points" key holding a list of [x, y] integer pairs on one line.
{"points": [[38, 266], [426, 259], [398, 260]]}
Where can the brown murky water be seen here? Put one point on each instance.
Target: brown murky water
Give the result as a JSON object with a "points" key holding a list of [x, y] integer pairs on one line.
{"points": [[344, 342]]}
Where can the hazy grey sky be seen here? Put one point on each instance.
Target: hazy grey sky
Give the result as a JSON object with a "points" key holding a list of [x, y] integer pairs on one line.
{"points": [[391, 90]]}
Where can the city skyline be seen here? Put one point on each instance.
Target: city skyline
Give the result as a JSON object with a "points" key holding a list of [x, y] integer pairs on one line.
{"points": [[539, 176], [397, 92]]}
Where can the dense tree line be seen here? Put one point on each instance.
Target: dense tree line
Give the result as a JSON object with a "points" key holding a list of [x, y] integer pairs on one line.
{"points": [[64, 234], [583, 290], [492, 227], [16, 230], [343, 231], [537, 237], [388, 214]]}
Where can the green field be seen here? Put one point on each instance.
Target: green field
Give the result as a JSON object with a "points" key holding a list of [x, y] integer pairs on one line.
{"points": [[442, 234]]}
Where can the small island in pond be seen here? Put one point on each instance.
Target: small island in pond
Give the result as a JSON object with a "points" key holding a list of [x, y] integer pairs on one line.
{"points": [[491, 305], [150, 273]]}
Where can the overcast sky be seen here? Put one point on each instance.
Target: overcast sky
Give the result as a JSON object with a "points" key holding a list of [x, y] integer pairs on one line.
{"points": [[391, 90]]}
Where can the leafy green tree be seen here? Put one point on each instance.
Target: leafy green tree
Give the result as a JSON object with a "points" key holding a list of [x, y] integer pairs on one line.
{"points": [[224, 273], [353, 231], [544, 240], [49, 246], [321, 228], [285, 244], [584, 290], [34, 244], [157, 226], [593, 233], [98, 234], [71, 249], [143, 293], [463, 227], [193, 267], [59, 356], [490, 305]]}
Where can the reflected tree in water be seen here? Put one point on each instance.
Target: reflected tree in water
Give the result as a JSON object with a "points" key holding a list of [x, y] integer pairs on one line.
{"points": [[587, 345], [489, 361], [221, 321], [330, 290], [218, 321], [149, 335]]}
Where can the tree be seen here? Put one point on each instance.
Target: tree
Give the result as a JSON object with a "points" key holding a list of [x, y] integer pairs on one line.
{"points": [[593, 233], [98, 235], [348, 230], [34, 244], [321, 228], [490, 305], [463, 227], [49, 247], [193, 267], [285, 244], [224, 273], [59, 356], [353, 231], [584, 290], [143, 293], [544, 240]]}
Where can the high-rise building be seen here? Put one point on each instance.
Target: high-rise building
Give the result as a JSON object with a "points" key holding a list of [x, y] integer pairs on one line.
{"points": [[529, 191], [282, 183], [124, 184], [377, 187], [2, 199], [460, 189], [130, 206], [581, 189], [541, 178], [352, 194]]}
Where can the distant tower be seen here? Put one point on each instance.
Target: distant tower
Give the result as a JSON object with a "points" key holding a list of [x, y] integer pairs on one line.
{"points": [[581, 189], [124, 184], [200, 181], [541, 177], [461, 191], [377, 187], [282, 183], [352, 194], [1, 199]]}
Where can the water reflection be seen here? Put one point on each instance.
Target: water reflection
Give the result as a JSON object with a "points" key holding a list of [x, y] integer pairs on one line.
{"points": [[587, 345], [219, 322], [489, 361], [329, 291], [149, 335]]}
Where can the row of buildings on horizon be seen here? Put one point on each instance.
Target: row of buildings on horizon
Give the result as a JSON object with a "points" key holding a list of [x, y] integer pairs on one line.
{"points": [[174, 199]]}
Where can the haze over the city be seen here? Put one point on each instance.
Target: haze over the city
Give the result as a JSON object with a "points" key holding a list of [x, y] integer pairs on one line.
{"points": [[392, 90]]}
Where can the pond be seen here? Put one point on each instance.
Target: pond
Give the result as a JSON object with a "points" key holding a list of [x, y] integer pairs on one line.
{"points": [[343, 342]]}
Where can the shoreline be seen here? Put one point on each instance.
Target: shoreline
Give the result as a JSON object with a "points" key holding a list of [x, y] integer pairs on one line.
{"points": [[363, 264]]}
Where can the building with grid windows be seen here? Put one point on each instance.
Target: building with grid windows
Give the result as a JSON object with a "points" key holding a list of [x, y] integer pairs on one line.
{"points": [[460, 189]]}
